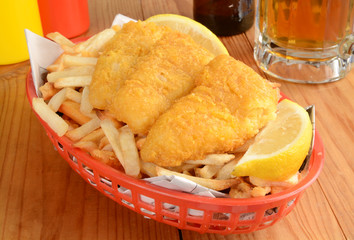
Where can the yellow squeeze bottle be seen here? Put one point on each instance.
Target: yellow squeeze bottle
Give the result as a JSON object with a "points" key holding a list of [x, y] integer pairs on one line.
{"points": [[15, 16]]}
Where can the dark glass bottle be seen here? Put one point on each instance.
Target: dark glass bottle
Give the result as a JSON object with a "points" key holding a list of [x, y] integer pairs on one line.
{"points": [[225, 17]]}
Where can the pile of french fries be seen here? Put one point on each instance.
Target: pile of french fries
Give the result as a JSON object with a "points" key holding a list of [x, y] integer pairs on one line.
{"points": [[66, 108]]}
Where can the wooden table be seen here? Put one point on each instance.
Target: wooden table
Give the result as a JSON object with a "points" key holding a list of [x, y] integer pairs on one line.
{"points": [[42, 198]]}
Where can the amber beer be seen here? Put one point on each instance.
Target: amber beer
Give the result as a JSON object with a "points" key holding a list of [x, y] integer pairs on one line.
{"points": [[307, 36], [306, 23]]}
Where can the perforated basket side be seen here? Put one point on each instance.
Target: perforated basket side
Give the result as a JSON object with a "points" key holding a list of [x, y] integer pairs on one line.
{"points": [[185, 211]]}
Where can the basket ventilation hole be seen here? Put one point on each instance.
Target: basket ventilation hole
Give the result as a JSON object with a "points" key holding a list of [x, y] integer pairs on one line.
{"points": [[60, 146], [221, 216], [87, 169], [108, 193], [170, 219], [106, 181], [127, 203], [194, 225], [147, 200], [271, 211], [267, 223], [92, 183], [147, 211], [170, 207], [243, 227], [217, 227], [291, 202], [124, 191], [73, 158], [195, 212], [247, 216]]}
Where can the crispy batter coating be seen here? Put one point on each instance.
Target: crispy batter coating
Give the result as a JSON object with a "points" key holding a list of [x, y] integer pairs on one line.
{"points": [[121, 53], [230, 104], [160, 77]]}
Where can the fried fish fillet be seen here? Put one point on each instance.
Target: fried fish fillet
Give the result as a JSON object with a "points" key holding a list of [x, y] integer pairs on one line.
{"points": [[230, 104], [160, 77], [121, 53]]}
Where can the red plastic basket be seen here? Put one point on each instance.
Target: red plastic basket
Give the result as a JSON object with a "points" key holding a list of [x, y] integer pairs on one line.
{"points": [[215, 215]]}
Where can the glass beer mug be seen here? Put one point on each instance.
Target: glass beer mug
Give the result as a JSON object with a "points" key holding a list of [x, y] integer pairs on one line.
{"points": [[307, 41]]}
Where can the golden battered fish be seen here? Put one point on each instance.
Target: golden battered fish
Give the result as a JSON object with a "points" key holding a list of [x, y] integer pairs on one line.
{"points": [[230, 104], [160, 77], [121, 53]]}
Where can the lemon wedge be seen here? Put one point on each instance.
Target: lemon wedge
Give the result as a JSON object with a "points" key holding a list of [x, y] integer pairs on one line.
{"points": [[281, 147], [201, 34]]}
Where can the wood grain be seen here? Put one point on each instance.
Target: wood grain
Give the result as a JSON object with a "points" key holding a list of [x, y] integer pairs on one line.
{"points": [[42, 198]]}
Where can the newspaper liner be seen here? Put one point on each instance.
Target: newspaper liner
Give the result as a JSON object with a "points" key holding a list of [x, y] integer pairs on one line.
{"points": [[44, 52]]}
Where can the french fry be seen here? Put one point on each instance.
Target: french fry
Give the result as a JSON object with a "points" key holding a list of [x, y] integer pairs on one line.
{"points": [[276, 189], [51, 118], [72, 110], [87, 146], [105, 157], [241, 190], [57, 65], [53, 67], [70, 61], [215, 184], [68, 50], [213, 159], [77, 81], [78, 133], [129, 151], [48, 90], [148, 168], [94, 45], [56, 101], [175, 169], [103, 142], [245, 146], [112, 135], [106, 115], [92, 114], [208, 171], [85, 106], [226, 170], [184, 167], [73, 95], [188, 167], [60, 39], [94, 136], [260, 191], [107, 147], [71, 123], [71, 72]]}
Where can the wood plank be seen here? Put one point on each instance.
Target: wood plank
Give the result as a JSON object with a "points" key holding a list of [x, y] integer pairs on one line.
{"points": [[102, 13], [153, 7], [11, 169]]}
